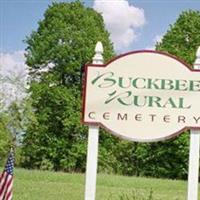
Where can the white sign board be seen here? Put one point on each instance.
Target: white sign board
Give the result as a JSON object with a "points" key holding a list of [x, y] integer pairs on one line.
{"points": [[142, 96]]}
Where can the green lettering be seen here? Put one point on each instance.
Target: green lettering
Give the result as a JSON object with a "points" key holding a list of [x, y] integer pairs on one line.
{"points": [[151, 84], [138, 101], [181, 104], [194, 86], [136, 83], [119, 97], [121, 82], [170, 102], [108, 81], [181, 85], [154, 101], [166, 84]]}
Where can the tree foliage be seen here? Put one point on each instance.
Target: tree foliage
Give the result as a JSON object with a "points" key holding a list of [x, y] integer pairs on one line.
{"points": [[170, 158], [4, 133], [55, 138], [12, 107], [63, 43], [183, 37], [181, 40], [5, 138]]}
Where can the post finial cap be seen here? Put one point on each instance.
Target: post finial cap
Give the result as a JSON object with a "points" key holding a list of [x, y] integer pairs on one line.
{"points": [[99, 48], [198, 52]]}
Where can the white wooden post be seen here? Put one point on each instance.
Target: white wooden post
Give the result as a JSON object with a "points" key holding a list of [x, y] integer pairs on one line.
{"points": [[93, 140], [193, 175]]}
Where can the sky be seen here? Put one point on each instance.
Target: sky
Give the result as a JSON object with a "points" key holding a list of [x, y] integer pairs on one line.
{"points": [[133, 24]]}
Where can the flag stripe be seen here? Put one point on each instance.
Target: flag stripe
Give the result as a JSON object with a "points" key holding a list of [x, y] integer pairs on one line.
{"points": [[8, 188], [5, 189], [3, 185], [9, 194], [6, 179]]}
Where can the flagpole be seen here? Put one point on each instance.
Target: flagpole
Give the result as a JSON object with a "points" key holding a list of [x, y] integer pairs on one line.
{"points": [[193, 175], [93, 140]]}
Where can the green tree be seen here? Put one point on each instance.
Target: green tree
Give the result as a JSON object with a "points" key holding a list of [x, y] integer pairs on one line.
{"points": [[12, 127], [181, 40], [5, 138], [170, 158], [4, 132], [12, 102], [183, 37], [63, 43]]}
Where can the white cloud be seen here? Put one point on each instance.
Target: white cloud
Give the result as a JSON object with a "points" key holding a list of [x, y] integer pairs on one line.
{"points": [[150, 48], [13, 64], [122, 20], [14, 72], [156, 39]]}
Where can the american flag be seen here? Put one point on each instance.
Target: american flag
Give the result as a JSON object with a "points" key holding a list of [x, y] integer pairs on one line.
{"points": [[6, 179]]}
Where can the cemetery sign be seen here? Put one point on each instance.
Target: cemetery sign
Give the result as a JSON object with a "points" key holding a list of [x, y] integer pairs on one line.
{"points": [[142, 96]]}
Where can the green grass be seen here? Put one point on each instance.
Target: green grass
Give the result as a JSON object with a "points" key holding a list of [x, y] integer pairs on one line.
{"points": [[42, 185]]}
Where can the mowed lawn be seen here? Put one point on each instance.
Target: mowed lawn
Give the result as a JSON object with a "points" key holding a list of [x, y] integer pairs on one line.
{"points": [[43, 185]]}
